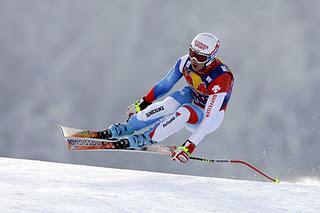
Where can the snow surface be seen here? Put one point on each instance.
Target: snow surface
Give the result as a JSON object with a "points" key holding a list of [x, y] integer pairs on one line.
{"points": [[35, 186]]}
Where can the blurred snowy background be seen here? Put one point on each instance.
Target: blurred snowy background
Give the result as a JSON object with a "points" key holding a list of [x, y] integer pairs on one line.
{"points": [[81, 63]]}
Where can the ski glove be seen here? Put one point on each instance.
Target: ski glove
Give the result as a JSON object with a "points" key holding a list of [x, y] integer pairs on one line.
{"points": [[182, 153], [136, 107]]}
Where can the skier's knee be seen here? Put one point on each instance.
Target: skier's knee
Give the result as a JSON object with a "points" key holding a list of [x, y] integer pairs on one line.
{"points": [[192, 115]]}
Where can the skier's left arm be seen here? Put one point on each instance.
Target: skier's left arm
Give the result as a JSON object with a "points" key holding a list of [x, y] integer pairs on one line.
{"points": [[214, 110], [212, 118]]}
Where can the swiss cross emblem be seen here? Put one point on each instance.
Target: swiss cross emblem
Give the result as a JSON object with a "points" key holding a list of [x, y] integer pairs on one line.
{"points": [[216, 88]]}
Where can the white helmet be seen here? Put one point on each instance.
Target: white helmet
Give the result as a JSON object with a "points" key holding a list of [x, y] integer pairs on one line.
{"points": [[204, 48]]}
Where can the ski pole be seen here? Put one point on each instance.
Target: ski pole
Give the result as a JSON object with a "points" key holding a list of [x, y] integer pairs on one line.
{"points": [[275, 180]]}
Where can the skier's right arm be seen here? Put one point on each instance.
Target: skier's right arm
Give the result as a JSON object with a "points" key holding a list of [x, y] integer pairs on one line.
{"points": [[166, 83], [160, 89]]}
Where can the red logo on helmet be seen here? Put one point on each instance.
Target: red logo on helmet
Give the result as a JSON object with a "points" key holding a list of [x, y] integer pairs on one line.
{"points": [[200, 45]]}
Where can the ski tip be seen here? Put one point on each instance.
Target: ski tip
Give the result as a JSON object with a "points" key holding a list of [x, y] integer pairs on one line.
{"points": [[62, 129], [276, 180]]}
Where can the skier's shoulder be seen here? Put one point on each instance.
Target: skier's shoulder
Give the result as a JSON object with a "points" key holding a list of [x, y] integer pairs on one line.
{"points": [[222, 83], [181, 61], [225, 67], [218, 67], [223, 77]]}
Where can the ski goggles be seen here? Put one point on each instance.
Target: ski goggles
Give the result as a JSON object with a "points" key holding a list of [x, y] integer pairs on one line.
{"points": [[199, 57]]}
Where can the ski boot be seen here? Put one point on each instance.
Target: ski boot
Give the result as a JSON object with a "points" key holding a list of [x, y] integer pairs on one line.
{"points": [[115, 131], [137, 141]]}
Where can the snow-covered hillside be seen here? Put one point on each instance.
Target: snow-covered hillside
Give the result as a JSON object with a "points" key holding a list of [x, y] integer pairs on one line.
{"points": [[35, 186]]}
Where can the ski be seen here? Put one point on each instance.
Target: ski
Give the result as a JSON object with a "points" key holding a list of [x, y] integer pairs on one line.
{"points": [[79, 133], [91, 144], [82, 143]]}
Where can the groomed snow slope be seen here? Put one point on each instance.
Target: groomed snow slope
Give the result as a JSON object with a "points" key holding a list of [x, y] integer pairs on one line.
{"points": [[34, 186]]}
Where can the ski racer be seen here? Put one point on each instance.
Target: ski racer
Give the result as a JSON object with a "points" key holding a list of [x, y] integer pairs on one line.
{"points": [[200, 106]]}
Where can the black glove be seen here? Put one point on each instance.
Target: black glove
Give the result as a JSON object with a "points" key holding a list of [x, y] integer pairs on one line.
{"points": [[137, 106]]}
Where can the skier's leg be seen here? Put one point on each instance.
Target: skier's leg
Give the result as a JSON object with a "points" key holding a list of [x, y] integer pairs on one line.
{"points": [[186, 114], [151, 114], [142, 119]]}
